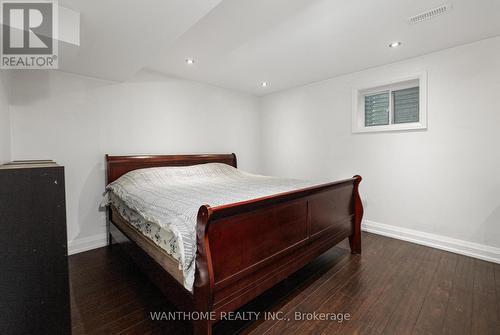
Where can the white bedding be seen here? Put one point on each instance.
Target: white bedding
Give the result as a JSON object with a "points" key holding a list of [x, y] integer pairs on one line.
{"points": [[169, 199]]}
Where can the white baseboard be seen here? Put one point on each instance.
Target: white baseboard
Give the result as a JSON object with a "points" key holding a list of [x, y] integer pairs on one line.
{"points": [[476, 250], [87, 243]]}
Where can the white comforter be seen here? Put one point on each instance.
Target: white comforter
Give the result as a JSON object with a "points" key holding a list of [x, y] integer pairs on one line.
{"points": [[171, 197]]}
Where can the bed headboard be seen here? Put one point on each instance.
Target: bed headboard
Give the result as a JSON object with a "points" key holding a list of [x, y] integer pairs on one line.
{"points": [[116, 166]]}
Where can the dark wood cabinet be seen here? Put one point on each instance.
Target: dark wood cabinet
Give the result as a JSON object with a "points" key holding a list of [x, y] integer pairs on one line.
{"points": [[34, 288]]}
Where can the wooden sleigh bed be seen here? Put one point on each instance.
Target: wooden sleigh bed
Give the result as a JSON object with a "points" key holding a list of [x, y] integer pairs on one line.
{"points": [[243, 248]]}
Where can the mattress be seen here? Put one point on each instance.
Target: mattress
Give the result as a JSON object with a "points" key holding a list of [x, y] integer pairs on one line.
{"points": [[162, 203], [167, 262], [161, 236]]}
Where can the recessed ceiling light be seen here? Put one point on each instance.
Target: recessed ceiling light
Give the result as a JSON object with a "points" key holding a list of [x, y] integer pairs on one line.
{"points": [[189, 61], [395, 44], [264, 84]]}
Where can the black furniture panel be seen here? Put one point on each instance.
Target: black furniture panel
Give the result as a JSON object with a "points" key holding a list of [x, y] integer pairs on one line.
{"points": [[34, 289]]}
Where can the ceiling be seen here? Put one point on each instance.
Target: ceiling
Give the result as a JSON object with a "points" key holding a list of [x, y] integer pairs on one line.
{"points": [[118, 37], [238, 44]]}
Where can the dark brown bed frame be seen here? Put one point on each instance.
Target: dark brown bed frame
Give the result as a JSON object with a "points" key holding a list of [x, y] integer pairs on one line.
{"points": [[243, 248]]}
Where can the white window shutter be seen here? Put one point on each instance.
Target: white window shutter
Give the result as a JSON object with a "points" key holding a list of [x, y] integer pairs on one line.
{"points": [[406, 105], [377, 109]]}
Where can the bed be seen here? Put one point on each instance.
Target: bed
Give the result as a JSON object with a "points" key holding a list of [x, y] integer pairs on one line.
{"points": [[236, 249]]}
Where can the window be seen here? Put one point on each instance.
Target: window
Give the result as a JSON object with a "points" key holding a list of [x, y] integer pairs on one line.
{"points": [[400, 105], [377, 109]]}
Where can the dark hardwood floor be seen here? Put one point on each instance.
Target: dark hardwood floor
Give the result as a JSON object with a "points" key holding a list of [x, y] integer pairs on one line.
{"points": [[394, 287]]}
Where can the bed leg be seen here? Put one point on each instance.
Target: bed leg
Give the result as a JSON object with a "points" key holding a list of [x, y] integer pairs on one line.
{"points": [[202, 327], [204, 276], [355, 238], [355, 243]]}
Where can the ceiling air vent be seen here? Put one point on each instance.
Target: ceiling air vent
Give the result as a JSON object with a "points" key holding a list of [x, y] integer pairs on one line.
{"points": [[431, 13]]}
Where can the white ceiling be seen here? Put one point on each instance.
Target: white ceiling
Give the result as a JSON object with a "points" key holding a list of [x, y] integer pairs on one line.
{"points": [[240, 43], [118, 37]]}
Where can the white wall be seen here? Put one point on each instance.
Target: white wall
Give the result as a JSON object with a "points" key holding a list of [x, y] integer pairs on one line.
{"points": [[77, 120], [443, 181], [4, 121]]}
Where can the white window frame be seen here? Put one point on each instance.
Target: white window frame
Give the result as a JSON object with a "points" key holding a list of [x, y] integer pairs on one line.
{"points": [[358, 103]]}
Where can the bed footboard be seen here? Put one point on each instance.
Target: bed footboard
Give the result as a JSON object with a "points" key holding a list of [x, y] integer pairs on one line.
{"points": [[247, 247]]}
